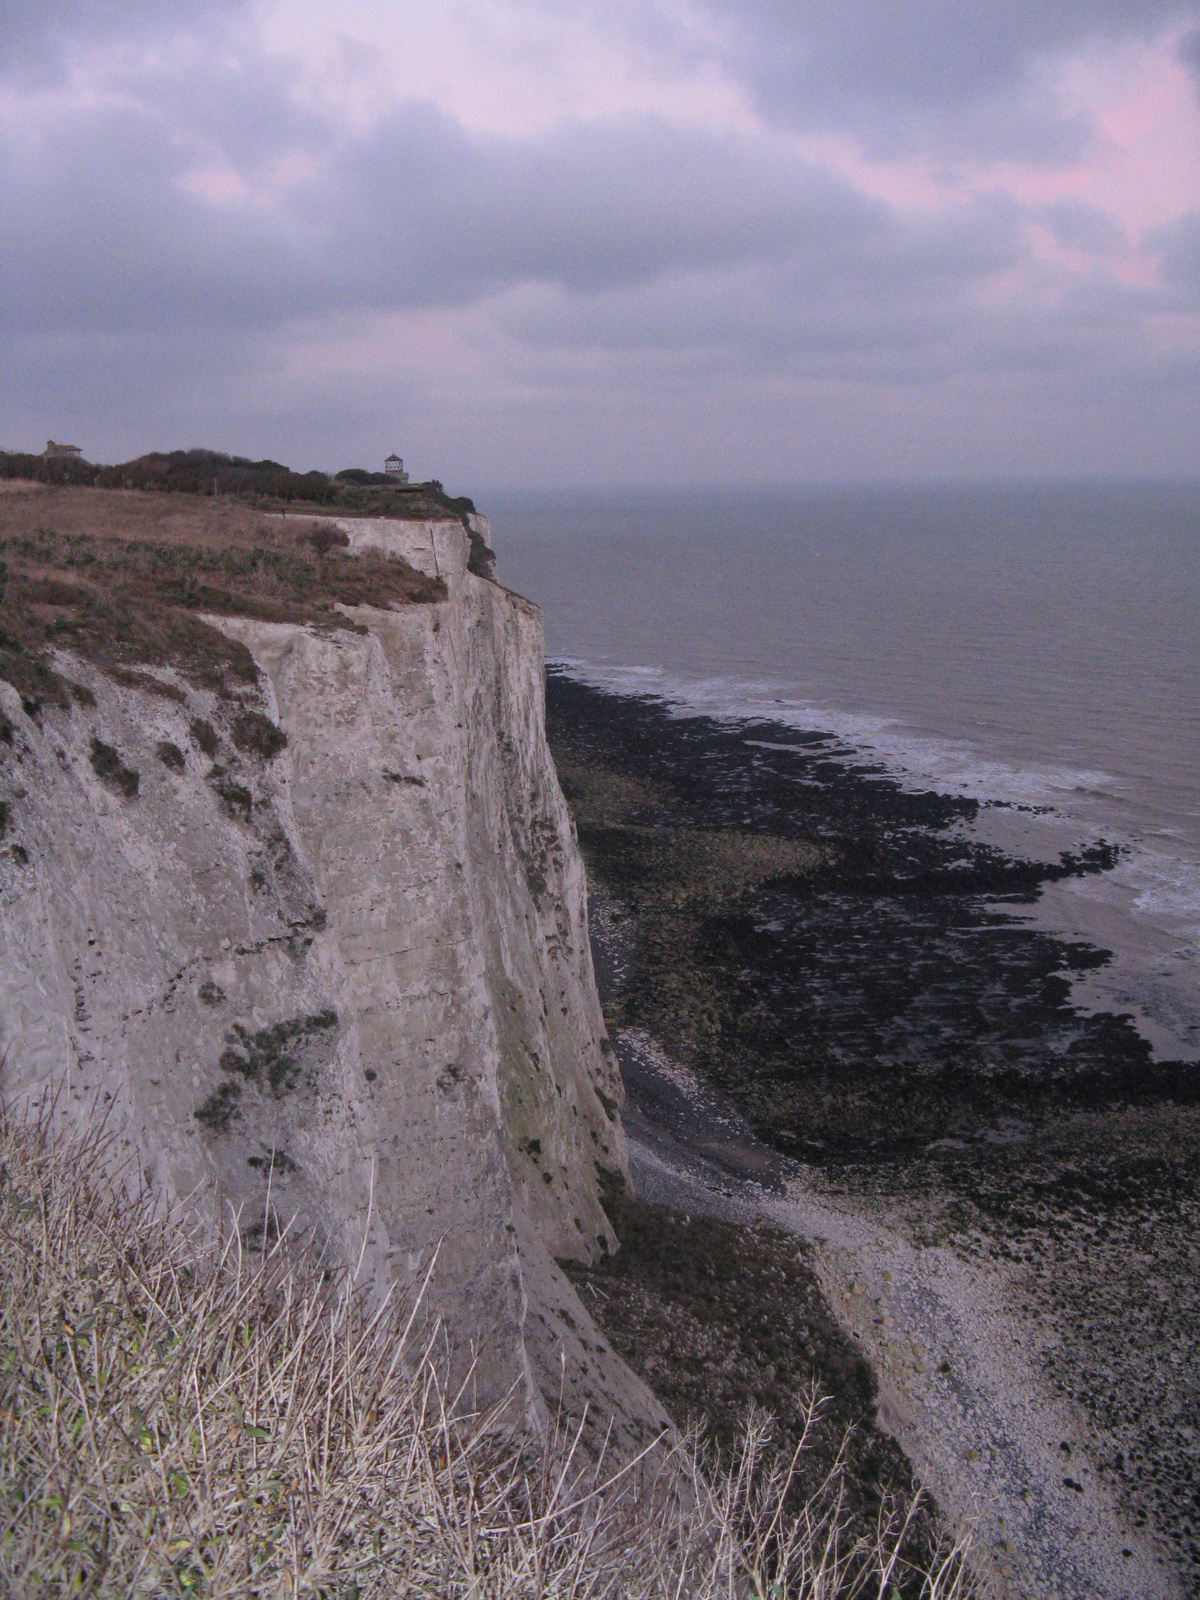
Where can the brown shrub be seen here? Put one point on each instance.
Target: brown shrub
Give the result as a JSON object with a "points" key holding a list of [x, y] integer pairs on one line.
{"points": [[236, 798], [205, 736], [152, 685], [324, 537], [125, 578], [110, 769], [50, 592], [254, 732]]}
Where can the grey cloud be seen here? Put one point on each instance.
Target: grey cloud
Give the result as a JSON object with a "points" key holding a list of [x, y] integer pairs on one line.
{"points": [[1080, 226], [103, 231], [670, 256], [642, 235], [959, 79], [773, 321], [38, 38], [1178, 250], [890, 306], [588, 207], [102, 236], [1189, 52], [758, 320], [851, 293], [940, 51]]}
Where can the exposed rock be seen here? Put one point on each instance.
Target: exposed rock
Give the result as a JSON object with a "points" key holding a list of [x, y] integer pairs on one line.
{"points": [[332, 947]]}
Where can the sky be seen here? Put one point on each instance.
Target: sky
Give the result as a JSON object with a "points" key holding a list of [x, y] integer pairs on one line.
{"points": [[554, 243]]}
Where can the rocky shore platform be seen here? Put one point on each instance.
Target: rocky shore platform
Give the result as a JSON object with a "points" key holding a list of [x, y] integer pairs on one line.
{"points": [[832, 1016]]}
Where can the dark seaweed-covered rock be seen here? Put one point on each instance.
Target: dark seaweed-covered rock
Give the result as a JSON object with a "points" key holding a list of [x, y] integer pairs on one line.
{"points": [[825, 946], [843, 963]]}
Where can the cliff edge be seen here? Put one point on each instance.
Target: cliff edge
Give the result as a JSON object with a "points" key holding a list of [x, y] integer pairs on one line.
{"points": [[314, 937]]}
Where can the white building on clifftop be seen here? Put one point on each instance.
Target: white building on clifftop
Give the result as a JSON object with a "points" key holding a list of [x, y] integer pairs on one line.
{"points": [[394, 468]]}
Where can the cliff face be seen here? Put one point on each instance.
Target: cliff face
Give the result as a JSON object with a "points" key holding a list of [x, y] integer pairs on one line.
{"points": [[343, 984]]}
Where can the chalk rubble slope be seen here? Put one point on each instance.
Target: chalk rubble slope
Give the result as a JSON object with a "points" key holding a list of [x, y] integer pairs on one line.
{"points": [[355, 974]]}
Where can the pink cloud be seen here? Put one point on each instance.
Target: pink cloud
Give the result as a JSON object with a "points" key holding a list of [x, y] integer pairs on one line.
{"points": [[1143, 167]]}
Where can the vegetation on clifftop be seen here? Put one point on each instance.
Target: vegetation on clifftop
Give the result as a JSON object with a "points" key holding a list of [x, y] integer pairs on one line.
{"points": [[122, 578], [263, 484], [179, 1418]]}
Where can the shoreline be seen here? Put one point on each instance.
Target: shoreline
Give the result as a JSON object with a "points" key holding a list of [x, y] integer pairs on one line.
{"points": [[1152, 972], [1033, 813], [1053, 1202]]}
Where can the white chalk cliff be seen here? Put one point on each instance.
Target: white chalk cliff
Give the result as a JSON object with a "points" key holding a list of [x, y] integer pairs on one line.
{"points": [[354, 973]]}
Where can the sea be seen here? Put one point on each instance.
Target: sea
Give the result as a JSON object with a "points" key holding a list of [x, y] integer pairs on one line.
{"points": [[1034, 647]]}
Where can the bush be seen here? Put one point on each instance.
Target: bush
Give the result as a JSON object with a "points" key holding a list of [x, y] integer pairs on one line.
{"points": [[111, 770], [205, 736], [182, 1418], [211, 472], [324, 536], [266, 483], [252, 731]]}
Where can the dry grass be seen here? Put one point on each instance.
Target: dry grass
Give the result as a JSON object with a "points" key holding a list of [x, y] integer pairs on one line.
{"points": [[119, 577], [181, 1419]]}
